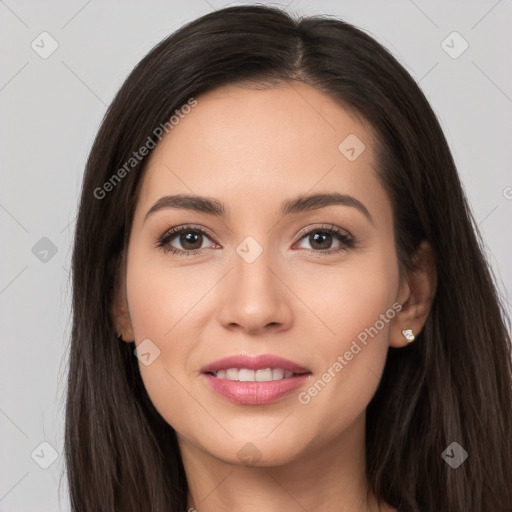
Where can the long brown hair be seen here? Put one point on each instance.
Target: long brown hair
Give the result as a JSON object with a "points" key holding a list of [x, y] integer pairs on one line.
{"points": [[454, 383]]}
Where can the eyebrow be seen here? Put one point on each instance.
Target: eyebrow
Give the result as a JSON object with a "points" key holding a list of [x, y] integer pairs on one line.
{"points": [[298, 204]]}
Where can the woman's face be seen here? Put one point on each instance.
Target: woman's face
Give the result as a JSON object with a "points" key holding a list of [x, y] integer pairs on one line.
{"points": [[268, 276]]}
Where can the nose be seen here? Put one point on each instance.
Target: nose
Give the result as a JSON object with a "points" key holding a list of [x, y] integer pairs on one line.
{"points": [[254, 297]]}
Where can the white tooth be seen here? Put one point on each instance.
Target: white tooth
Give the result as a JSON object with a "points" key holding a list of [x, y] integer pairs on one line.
{"points": [[263, 375], [245, 375], [288, 374], [221, 374], [232, 374], [277, 373]]}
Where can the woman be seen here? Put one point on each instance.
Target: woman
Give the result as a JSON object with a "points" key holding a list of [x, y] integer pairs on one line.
{"points": [[272, 218]]}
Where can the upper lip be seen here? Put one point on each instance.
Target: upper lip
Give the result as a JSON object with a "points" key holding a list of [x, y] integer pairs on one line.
{"points": [[259, 362]]}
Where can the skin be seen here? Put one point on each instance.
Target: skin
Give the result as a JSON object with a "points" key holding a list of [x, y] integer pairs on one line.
{"points": [[252, 149]]}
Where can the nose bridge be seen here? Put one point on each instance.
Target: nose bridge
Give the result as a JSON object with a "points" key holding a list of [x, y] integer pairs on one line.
{"points": [[253, 275], [254, 297]]}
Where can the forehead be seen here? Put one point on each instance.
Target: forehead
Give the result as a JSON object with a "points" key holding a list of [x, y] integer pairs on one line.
{"points": [[254, 146]]}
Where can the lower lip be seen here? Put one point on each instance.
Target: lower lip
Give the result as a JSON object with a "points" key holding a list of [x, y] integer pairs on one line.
{"points": [[255, 393]]}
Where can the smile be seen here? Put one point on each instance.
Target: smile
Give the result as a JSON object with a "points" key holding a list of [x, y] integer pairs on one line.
{"points": [[248, 375]]}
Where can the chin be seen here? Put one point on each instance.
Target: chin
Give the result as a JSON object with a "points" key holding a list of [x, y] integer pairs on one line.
{"points": [[256, 451]]}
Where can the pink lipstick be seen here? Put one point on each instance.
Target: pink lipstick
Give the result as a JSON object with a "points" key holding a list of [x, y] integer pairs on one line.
{"points": [[256, 380]]}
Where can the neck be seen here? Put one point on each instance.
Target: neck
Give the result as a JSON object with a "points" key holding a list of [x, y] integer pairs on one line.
{"points": [[328, 476]]}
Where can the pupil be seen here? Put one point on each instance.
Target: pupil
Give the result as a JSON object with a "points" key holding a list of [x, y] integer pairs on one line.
{"points": [[325, 236], [189, 239]]}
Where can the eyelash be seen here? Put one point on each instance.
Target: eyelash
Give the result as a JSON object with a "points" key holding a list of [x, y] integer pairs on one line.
{"points": [[347, 241]]}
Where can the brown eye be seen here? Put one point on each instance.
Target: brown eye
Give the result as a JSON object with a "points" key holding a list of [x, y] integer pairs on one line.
{"points": [[321, 240], [190, 240], [184, 241]]}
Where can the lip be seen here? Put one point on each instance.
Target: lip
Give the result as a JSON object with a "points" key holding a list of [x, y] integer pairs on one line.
{"points": [[259, 362], [254, 393]]}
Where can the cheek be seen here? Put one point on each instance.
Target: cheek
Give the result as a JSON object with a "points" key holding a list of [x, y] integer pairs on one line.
{"points": [[163, 299], [349, 298], [156, 307], [364, 295], [167, 306], [355, 305]]}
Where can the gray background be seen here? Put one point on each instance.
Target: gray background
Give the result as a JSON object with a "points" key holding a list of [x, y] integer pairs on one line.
{"points": [[51, 109]]}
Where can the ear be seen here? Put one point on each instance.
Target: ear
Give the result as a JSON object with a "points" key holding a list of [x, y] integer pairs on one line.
{"points": [[119, 307], [416, 292]]}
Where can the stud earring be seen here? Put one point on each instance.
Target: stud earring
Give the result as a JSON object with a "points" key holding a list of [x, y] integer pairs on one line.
{"points": [[408, 335]]}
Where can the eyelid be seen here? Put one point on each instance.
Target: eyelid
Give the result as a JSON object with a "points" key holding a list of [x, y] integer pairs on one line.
{"points": [[326, 227], [190, 227], [164, 239]]}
